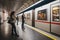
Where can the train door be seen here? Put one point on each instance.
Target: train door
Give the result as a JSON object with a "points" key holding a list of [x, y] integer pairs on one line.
{"points": [[29, 17], [55, 18]]}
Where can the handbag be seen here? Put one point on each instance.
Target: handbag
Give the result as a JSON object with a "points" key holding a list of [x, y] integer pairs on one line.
{"points": [[9, 21]]}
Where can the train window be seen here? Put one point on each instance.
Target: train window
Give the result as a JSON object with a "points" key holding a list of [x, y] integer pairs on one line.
{"points": [[42, 14], [55, 13], [27, 16]]}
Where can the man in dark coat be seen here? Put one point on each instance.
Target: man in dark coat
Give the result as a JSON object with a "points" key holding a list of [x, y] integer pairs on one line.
{"points": [[23, 22]]}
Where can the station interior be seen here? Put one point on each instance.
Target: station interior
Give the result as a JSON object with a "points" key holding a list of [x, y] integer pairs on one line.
{"points": [[29, 19]]}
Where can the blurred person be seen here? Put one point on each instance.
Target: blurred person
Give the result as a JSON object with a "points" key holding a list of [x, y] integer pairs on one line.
{"points": [[23, 16], [12, 21]]}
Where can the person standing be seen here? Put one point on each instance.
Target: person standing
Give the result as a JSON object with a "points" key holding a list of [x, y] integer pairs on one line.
{"points": [[23, 22], [17, 20], [12, 21]]}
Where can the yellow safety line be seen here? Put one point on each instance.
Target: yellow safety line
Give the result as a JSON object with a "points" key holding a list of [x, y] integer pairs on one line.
{"points": [[41, 32]]}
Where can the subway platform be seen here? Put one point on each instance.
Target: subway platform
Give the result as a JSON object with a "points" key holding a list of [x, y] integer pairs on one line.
{"points": [[30, 33], [44, 15]]}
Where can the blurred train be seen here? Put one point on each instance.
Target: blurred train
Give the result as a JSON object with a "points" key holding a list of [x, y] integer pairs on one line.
{"points": [[46, 17]]}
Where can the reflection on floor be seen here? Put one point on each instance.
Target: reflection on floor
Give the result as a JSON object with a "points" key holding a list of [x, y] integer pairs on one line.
{"points": [[31, 34], [10, 38], [27, 34], [5, 32]]}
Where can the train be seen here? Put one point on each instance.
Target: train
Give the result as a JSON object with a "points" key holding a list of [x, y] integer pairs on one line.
{"points": [[46, 17]]}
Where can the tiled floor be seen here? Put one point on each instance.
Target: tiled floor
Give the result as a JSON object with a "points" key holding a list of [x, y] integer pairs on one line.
{"points": [[27, 34], [5, 32], [32, 34]]}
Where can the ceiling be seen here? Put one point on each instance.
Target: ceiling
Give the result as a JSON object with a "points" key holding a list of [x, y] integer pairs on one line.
{"points": [[11, 5]]}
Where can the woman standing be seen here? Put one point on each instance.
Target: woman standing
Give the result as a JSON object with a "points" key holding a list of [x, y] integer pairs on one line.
{"points": [[12, 22]]}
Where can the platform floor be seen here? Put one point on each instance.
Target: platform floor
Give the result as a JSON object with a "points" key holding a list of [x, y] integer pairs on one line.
{"points": [[30, 33]]}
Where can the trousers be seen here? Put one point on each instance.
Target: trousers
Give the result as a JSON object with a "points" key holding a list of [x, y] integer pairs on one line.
{"points": [[13, 28]]}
